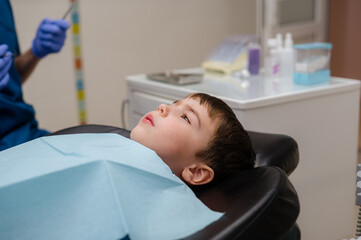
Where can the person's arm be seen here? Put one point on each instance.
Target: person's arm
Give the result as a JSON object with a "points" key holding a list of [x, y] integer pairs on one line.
{"points": [[25, 64]]}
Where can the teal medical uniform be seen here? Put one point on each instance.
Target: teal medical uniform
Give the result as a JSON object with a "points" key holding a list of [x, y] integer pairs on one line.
{"points": [[17, 118]]}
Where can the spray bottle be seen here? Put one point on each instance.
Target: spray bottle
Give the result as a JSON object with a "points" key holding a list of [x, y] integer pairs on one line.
{"points": [[287, 59]]}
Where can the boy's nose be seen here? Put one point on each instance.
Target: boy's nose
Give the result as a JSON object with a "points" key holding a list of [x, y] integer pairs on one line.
{"points": [[163, 109]]}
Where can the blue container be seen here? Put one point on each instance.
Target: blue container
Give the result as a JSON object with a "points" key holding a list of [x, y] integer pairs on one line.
{"points": [[311, 78], [312, 63]]}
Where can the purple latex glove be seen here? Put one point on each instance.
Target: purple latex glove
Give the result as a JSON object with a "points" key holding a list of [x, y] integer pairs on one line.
{"points": [[50, 37], [5, 63]]}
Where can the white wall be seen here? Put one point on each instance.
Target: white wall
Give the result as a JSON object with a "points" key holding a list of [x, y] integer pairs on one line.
{"points": [[122, 37]]}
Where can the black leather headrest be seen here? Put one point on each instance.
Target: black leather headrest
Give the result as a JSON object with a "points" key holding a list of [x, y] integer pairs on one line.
{"points": [[275, 150]]}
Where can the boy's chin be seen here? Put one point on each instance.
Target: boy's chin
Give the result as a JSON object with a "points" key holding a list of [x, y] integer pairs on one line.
{"points": [[137, 134], [133, 134]]}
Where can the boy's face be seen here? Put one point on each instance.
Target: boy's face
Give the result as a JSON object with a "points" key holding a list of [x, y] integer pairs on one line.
{"points": [[176, 132]]}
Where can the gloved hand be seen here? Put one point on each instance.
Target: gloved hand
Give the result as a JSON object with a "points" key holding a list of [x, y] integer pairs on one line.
{"points": [[50, 37], [5, 63]]}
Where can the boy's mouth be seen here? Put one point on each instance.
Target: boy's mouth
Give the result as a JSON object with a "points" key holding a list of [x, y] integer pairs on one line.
{"points": [[148, 119]]}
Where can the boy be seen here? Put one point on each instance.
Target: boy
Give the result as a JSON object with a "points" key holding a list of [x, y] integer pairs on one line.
{"points": [[198, 137], [122, 189]]}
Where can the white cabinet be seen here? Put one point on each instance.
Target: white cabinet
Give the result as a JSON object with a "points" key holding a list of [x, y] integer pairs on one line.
{"points": [[323, 119]]}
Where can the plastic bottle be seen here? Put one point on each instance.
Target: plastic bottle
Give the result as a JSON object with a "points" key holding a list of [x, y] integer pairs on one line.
{"points": [[272, 59], [287, 59], [279, 41]]}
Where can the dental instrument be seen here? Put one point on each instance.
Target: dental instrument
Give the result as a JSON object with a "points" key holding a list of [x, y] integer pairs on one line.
{"points": [[69, 9]]}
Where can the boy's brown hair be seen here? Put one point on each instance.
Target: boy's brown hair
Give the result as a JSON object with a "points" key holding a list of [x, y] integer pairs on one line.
{"points": [[230, 149]]}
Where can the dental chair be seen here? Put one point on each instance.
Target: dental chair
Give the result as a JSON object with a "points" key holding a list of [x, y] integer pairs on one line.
{"points": [[259, 203]]}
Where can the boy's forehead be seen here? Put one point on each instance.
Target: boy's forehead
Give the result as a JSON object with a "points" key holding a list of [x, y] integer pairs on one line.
{"points": [[188, 102], [179, 101]]}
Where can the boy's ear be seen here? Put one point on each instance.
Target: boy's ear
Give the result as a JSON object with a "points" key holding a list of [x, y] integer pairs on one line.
{"points": [[198, 174]]}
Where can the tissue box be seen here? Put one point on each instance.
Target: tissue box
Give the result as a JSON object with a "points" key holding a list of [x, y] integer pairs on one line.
{"points": [[312, 63]]}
